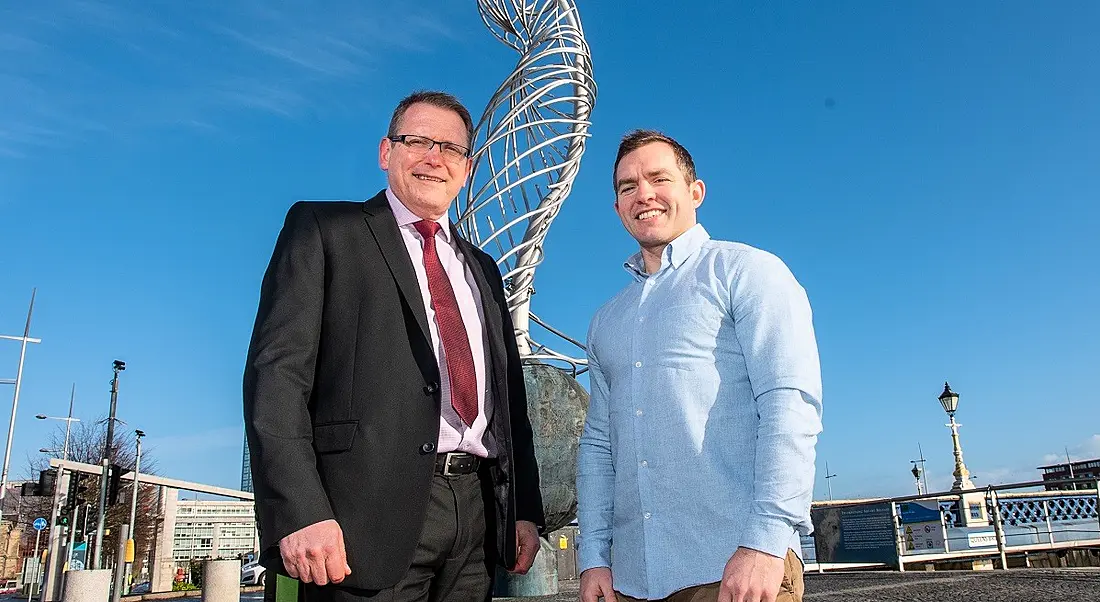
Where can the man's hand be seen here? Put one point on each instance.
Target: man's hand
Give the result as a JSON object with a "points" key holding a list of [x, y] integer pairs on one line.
{"points": [[527, 546], [595, 584], [751, 576], [315, 554]]}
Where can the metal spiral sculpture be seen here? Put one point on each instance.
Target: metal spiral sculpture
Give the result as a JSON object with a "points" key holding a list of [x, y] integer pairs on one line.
{"points": [[529, 143]]}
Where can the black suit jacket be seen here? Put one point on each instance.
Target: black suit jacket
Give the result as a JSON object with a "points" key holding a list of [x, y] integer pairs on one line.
{"points": [[342, 396]]}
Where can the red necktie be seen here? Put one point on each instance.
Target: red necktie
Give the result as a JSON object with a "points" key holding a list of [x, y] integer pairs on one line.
{"points": [[456, 345]]}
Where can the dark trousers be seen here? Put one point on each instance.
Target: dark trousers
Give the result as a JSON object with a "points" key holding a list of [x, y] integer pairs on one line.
{"points": [[452, 562]]}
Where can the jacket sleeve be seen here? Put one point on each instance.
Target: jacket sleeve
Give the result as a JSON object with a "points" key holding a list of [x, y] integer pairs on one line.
{"points": [[278, 381], [526, 478]]}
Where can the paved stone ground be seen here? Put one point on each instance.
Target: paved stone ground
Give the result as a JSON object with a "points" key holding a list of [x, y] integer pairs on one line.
{"points": [[1018, 585], [1023, 585]]}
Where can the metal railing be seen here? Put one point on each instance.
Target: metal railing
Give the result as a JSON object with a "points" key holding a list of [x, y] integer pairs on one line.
{"points": [[1000, 521]]}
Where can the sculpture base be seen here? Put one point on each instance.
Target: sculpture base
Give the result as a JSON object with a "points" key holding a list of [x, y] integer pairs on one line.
{"points": [[541, 580]]}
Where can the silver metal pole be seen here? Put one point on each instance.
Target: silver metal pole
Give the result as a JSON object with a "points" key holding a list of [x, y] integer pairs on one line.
{"points": [[55, 533], [15, 400], [899, 543], [924, 471], [68, 424], [119, 576], [998, 529], [37, 562], [1050, 527], [132, 542], [72, 537], [102, 515]]}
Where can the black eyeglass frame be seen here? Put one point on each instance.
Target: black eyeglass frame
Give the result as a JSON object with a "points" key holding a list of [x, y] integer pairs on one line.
{"points": [[402, 138]]}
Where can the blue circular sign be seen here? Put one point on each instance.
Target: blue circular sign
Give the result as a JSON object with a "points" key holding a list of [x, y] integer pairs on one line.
{"points": [[39, 524]]}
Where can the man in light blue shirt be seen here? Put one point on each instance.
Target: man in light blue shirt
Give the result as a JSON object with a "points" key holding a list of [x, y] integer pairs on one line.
{"points": [[696, 465]]}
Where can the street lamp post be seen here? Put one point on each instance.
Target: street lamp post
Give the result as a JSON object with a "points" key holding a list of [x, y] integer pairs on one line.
{"points": [[916, 475], [55, 542], [18, 382], [68, 423], [950, 402], [133, 509]]}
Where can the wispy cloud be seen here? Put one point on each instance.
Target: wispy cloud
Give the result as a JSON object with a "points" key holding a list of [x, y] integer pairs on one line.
{"points": [[73, 68], [1086, 450]]}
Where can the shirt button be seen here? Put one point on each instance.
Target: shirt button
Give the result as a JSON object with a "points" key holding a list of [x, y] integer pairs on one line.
{"points": [[638, 412], [644, 463], [647, 515], [637, 364]]}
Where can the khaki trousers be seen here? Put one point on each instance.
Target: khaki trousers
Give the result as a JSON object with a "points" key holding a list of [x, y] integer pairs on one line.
{"points": [[791, 590]]}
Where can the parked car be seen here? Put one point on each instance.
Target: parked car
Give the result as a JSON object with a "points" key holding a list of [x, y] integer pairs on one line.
{"points": [[253, 573], [141, 588]]}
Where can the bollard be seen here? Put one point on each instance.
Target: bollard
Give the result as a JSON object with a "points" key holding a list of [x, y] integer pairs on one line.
{"points": [[221, 581], [541, 580], [87, 586]]}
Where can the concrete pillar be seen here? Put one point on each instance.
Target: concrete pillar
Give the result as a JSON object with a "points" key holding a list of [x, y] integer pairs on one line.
{"points": [[163, 571], [221, 581], [87, 586]]}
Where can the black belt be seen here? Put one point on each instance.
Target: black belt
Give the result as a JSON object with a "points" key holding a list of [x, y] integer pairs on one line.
{"points": [[457, 463]]}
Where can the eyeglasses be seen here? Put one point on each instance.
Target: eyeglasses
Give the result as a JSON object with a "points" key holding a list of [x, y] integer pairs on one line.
{"points": [[419, 145]]}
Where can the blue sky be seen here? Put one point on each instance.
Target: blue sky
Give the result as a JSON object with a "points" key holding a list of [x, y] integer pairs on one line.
{"points": [[929, 172]]}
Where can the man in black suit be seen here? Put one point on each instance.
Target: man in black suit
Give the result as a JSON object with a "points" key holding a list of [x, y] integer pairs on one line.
{"points": [[384, 403]]}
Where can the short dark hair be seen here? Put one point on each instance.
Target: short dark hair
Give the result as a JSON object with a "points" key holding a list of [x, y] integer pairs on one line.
{"points": [[639, 138], [435, 98]]}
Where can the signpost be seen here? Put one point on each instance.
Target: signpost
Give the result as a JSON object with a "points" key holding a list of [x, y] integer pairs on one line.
{"points": [[39, 524], [922, 526], [862, 533]]}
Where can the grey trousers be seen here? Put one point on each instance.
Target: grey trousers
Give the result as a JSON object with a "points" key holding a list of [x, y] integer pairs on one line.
{"points": [[450, 563]]}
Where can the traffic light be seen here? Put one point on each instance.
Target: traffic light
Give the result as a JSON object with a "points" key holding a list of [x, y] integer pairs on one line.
{"points": [[47, 480], [114, 481], [76, 495]]}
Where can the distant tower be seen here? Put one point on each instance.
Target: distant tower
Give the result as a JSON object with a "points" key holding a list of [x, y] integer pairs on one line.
{"points": [[246, 469]]}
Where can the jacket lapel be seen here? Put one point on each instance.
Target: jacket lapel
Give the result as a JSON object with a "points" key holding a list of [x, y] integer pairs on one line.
{"points": [[380, 220]]}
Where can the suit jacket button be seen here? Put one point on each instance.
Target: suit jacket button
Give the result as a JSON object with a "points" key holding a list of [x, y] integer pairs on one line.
{"points": [[431, 388], [427, 448]]}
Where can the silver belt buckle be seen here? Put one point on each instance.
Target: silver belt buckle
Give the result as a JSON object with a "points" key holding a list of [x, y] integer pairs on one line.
{"points": [[447, 464]]}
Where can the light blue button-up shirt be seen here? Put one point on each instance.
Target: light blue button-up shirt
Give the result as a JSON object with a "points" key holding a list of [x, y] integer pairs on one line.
{"points": [[705, 410]]}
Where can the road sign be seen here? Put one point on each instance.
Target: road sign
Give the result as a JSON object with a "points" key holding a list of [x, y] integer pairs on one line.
{"points": [[926, 536], [39, 524]]}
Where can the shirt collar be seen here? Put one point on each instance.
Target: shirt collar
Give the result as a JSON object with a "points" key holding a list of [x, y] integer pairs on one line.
{"points": [[675, 254], [406, 218]]}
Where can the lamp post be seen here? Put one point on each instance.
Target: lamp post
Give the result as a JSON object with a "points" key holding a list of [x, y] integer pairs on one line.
{"points": [[950, 402], [829, 480], [916, 475], [68, 423], [138, 434]]}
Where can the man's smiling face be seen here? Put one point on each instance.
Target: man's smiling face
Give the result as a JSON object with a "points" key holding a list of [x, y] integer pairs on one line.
{"points": [[426, 183], [653, 198]]}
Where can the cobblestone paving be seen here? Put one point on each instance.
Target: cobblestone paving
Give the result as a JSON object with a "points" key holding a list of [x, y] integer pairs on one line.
{"points": [[1030, 585]]}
